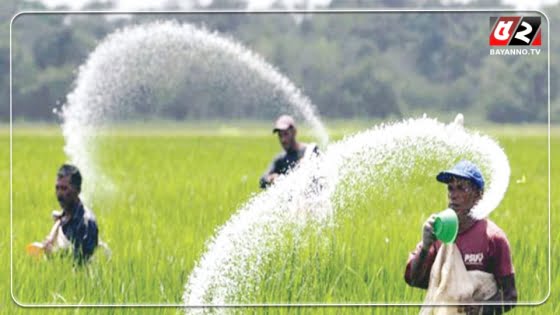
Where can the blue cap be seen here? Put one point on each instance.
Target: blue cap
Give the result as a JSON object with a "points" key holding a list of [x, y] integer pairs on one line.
{"points": [[464, 169]]}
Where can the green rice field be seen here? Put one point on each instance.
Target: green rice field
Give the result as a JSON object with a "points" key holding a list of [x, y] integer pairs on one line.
{"points": [[177, 184]]}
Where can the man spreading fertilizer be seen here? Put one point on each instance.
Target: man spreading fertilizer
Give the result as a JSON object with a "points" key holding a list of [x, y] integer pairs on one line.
{"points": [[483, 246], [76, 222], [294, 151]]}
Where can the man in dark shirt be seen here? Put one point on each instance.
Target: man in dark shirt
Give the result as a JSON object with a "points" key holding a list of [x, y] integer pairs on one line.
{"points": [[76, 222], [294, 151]]}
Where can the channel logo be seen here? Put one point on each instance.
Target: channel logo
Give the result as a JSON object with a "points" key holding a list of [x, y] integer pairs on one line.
{"points": [[515, 31]]}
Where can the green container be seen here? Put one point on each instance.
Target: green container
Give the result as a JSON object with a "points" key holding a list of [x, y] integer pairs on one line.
{"points": [[446, 226]]}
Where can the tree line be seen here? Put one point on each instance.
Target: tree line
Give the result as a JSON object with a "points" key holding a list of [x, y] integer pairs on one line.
{"points": [[351, 65]]}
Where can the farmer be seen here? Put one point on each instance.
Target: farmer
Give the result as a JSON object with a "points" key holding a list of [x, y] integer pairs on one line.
{"points": [[76, 222], [483, 245], [294, 151]]}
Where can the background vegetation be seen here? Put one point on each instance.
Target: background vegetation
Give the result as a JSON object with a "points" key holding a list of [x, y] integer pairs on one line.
{"points": [[350, 65]]}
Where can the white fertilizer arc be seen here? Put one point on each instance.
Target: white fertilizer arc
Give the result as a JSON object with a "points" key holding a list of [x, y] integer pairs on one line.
{"points": [[313, 191], [157, 61]]}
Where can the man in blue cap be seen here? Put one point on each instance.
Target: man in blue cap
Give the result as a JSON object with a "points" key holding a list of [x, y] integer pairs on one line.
{"points": [[483, 245]]}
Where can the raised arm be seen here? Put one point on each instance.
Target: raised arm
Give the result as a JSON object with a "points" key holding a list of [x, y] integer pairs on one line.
{"points": [[417, 273]]}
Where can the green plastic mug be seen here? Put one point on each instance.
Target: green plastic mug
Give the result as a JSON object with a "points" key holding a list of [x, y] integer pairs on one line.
{"points": [[446, 226]]}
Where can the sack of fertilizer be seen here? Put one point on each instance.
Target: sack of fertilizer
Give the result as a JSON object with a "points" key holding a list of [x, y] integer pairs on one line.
{"points": [[451, 283]]}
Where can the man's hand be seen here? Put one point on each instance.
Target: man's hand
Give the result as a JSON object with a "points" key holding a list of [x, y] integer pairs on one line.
{"points": [[48, 246], [271, 178], [428, 236], [56, 215], [472, 309]]}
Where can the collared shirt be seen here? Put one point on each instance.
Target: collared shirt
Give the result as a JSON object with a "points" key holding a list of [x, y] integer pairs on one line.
{"points": [[484, 246], [284, 162], [81, 230]]}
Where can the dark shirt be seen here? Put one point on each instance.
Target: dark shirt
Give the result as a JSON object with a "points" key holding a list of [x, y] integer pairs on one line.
{"points": [[82, 232], [284, 162]]}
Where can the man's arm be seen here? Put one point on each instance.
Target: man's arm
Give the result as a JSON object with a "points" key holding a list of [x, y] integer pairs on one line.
{"points": [[506, 293], [48, 243], [417, 273], [420, 263], [504, 274], [270, 175]]}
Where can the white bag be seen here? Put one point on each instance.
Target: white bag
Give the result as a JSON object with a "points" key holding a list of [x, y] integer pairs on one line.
{"points": [[450, 282]]}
